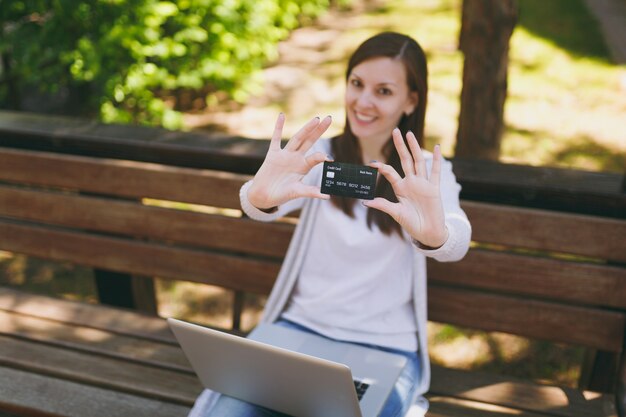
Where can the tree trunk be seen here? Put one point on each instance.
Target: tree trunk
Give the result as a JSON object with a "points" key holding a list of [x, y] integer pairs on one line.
{"points": [[10, 79], [486, 29]]}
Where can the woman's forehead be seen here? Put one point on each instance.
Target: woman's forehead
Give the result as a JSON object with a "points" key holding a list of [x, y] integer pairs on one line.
{"points": [[381, 70]]}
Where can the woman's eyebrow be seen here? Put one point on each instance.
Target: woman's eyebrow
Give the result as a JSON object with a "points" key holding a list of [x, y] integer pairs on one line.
{"points": [[390, 83]]}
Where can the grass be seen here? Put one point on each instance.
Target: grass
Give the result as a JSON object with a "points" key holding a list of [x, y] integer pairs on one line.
{"points": [[566, 101], [567, 25], [565, 107]]}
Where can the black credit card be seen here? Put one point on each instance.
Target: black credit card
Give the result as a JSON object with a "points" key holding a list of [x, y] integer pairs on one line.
{"points": [[349, 180]]}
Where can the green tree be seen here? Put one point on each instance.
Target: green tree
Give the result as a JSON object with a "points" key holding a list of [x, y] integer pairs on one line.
{"points": [[122, 59]]}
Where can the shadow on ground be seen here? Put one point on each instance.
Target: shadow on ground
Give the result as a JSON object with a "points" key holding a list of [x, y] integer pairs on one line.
{"points": [[560, 21]]}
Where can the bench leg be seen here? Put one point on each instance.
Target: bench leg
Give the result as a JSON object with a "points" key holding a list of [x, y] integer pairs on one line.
{"points": [[598, 371], [126, 291], [620, 392], [238, 304]]}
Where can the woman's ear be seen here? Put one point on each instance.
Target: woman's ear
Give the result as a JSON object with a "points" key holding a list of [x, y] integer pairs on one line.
{"points": [[412, 103]]}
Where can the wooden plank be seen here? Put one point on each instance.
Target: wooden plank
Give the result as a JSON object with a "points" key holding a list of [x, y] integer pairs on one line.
{"points": [[93, 341], [94, 316], [121, 178], [441, 406], [595, 328], [591, 236], [140, 258], [559, 189], [48, 396], [156, 223], [110, 373], [576, 282], [139, 143], [517, 393]]}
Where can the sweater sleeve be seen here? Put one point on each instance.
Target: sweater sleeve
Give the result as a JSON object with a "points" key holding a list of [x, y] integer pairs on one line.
{"points": [[459, 228], [260, 215]]}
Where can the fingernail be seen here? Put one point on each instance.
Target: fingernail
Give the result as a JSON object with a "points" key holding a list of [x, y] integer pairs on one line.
{"points": [[373, 161], [329, 116], [317, 117]]}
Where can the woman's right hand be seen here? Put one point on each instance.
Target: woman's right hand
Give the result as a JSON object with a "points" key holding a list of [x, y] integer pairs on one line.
{"points": [[280, 177]]}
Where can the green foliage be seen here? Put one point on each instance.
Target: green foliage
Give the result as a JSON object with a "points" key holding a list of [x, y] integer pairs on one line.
{"points": [[130, 55]]}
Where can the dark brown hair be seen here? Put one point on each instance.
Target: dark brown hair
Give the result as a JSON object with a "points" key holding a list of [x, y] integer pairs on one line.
{"points": [[346, 147]]}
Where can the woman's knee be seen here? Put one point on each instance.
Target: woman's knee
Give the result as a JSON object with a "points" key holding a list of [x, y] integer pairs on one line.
{"points": [[231, 407]]}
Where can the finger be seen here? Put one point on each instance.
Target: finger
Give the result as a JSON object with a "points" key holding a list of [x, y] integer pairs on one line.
{"points": [[296, 140], [310, 191], [418, 155], [384, 205], [406, 160], [312, 136], [435, 172], [316, 158], [388, 172], [278, 132]]}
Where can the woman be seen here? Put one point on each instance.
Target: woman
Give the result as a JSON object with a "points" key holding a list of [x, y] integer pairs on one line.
{"points": [[356, 270]]}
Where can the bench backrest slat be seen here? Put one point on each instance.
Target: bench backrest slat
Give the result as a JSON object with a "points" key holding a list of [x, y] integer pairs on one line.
{"points": [[591, 236], [131, 218], [547, 278], [600, 329], [121, 178], [142, 258]]}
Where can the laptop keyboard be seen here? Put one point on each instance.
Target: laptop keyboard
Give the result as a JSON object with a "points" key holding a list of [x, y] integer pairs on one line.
{"points": [[360, 388]]}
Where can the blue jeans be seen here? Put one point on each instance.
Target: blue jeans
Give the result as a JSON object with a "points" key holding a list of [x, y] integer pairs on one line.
{"points": [[397, 404]]}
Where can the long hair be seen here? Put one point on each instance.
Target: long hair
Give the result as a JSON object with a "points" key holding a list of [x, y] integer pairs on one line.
{"points": [[346, 147]]}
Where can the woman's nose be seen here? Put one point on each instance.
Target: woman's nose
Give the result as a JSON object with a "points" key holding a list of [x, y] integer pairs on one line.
{"points": [[364, 99]]}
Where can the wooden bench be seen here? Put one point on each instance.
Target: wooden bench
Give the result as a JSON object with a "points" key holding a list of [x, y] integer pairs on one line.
{"points": [[544, 274]]}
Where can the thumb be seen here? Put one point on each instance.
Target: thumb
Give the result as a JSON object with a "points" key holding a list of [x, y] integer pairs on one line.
{"points": [[383, 205], [302, 190]]}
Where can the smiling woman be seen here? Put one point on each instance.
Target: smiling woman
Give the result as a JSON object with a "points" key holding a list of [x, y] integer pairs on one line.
{"points": [[376, 98], [356, 273]]}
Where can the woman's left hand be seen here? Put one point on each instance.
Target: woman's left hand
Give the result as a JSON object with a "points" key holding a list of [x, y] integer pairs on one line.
{"points": [[419, 209]]}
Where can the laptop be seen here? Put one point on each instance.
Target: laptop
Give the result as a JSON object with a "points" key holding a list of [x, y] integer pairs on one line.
{"points": [[293, 372]]}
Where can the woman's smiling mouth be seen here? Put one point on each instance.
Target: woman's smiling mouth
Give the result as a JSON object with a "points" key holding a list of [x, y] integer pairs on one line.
{"points": [[364, 117]]}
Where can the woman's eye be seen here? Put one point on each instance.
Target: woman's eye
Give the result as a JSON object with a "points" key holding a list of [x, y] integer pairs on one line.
{"points": [[385, 91], [356, 83]]}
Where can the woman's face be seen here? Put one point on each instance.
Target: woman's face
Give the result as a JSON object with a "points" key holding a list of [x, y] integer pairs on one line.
{"points": [[377, 95]]}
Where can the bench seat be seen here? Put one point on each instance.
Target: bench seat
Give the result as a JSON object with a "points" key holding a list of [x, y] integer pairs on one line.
{"points": [[105, 361]]}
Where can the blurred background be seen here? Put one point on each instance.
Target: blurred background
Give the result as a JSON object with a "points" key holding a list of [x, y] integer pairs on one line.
{"points": [[228, 67]]}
